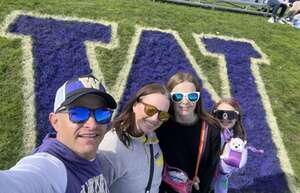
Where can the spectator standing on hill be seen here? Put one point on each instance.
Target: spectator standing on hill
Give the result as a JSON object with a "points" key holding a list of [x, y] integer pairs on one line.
{"points": [[276, 5], [66, 161], [294, 10]]}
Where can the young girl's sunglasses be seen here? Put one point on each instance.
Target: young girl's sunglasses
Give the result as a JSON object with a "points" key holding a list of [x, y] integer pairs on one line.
{"points": [[177, 97], [226, 115], [151, 110], [82, 114]]}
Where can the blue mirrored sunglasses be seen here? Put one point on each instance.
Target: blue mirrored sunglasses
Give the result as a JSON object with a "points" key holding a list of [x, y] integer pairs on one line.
{"points": [[177, 97], [82, 114]]}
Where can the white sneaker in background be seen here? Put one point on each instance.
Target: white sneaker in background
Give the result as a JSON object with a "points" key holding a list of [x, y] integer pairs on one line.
{"points": [[271, 20], [281, 21], [287, 21], [284, 20]]}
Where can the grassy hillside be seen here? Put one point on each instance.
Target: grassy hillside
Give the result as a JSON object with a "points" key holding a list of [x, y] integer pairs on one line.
{"points": [[279, 42]]}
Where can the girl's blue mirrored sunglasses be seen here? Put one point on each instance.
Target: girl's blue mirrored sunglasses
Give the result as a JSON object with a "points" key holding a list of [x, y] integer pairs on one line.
{"points": [[177, 97], [82, 114]]}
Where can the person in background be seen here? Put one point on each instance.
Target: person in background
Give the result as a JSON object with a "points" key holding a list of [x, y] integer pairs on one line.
{"points": [[294, 10], [276, 5], [190, 140], [228, 113], [66, 161], [132, 159]]}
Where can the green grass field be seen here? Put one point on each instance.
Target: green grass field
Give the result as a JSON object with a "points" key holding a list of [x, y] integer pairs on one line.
{"points": [[279, 42]]}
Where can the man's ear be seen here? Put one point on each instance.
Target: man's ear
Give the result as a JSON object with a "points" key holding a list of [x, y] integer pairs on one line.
{"points": [[54, 121]]}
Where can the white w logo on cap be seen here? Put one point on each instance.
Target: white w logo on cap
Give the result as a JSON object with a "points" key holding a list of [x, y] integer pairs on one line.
{"points": [[89, 82]]}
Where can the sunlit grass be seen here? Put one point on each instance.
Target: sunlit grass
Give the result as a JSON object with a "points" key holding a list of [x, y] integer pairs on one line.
{"points": [[279, 42]]}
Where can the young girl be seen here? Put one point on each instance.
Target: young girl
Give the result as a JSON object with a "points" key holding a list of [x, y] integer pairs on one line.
{"points": [[189, 130], [228, 113]]}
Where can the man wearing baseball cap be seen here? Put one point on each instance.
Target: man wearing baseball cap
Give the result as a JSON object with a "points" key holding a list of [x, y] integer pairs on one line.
{"points": [[66, 161]]}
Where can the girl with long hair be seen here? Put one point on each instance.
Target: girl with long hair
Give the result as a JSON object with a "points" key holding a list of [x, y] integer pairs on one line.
{"points": [[190, 139], [229, 115], [129, 151]]}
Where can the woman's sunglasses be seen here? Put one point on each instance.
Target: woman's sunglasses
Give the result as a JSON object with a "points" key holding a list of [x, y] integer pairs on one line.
{"points": [[151, 110], [82, 114], [226, 115], [177, 97]]}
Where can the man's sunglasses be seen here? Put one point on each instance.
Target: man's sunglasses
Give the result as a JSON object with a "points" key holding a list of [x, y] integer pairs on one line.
{"points": [[82, 114], [177, 97], [226, 115], [151, 110]]}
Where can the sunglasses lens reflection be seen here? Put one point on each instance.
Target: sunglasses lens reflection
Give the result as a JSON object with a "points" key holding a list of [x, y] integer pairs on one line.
{"points": [[152, 110], [177, 97], [103, 116], [226, 115], [193, 96], [164, 116], [79, 114]]}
